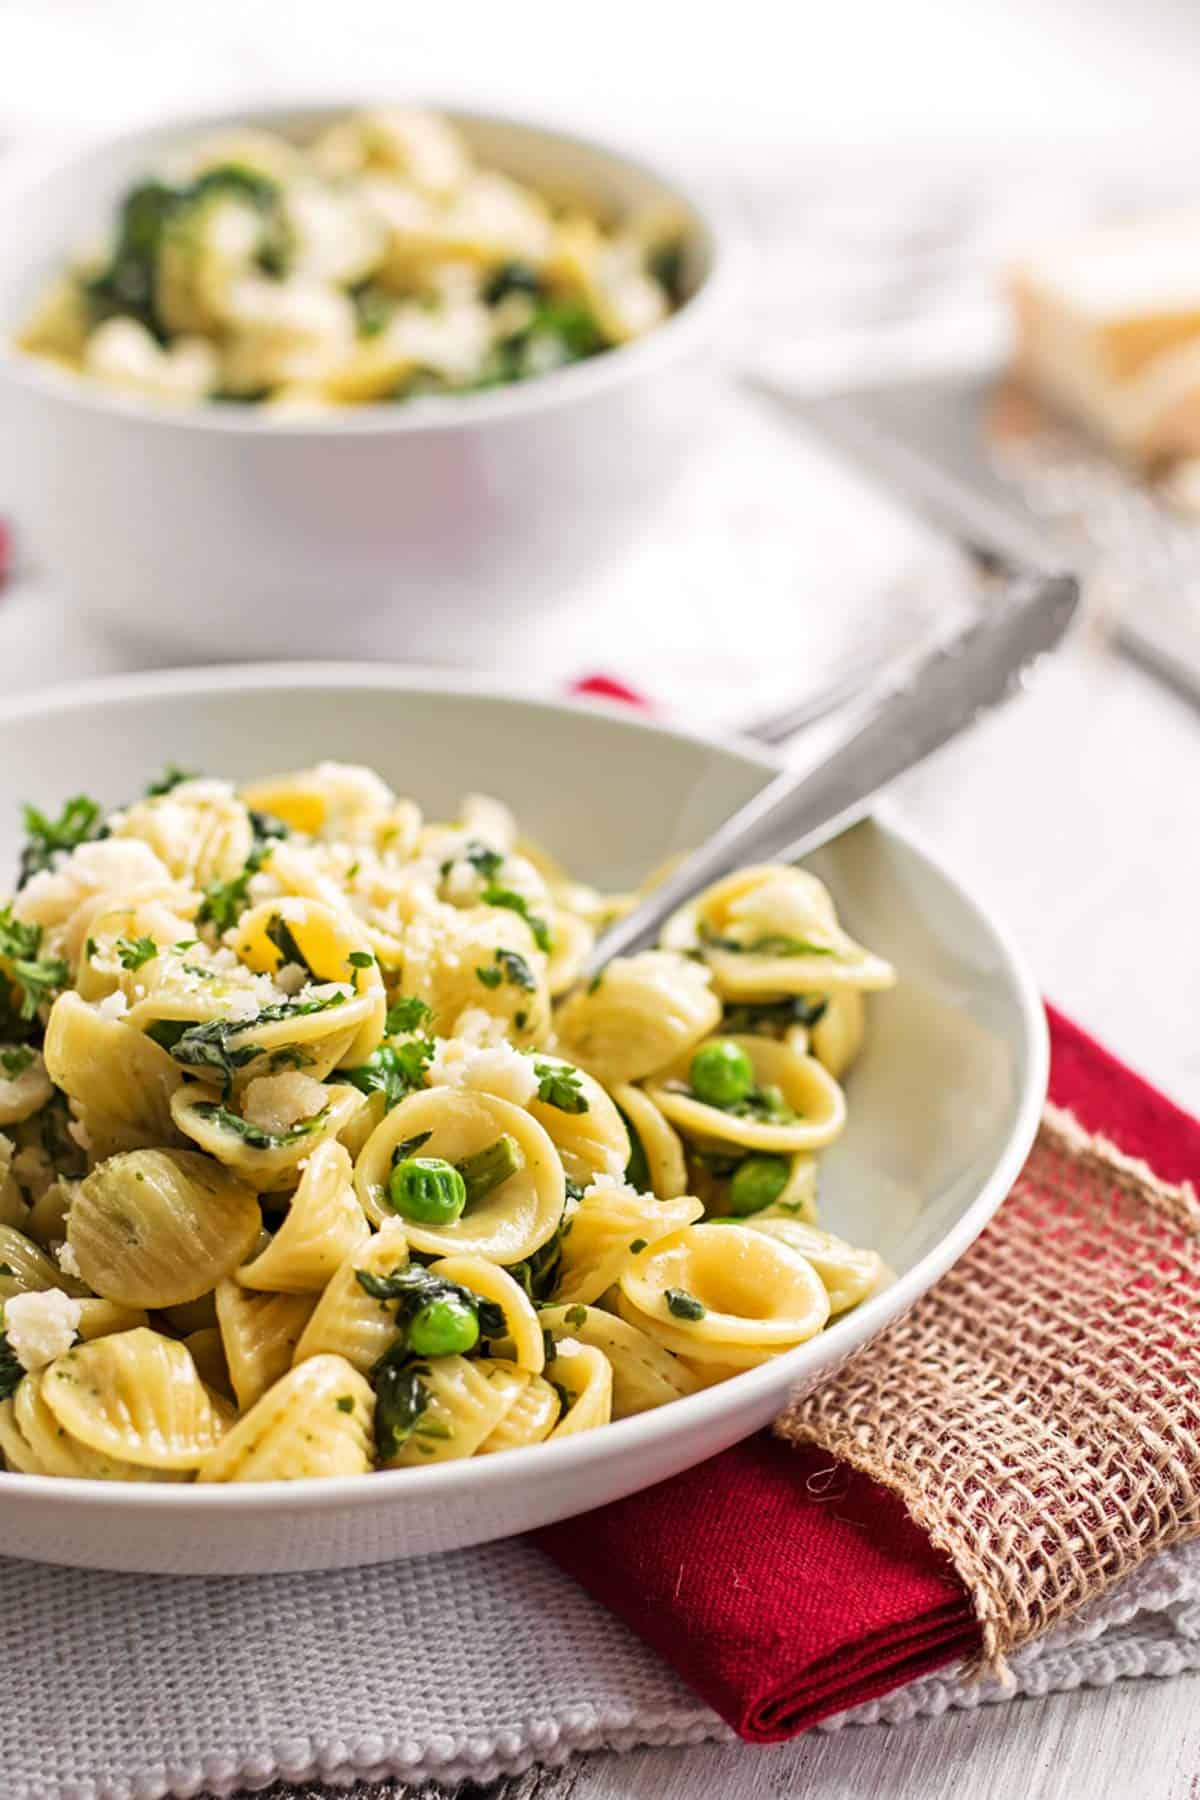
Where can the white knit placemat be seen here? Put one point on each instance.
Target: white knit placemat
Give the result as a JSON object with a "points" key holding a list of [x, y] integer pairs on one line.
{"points": [[122, 1687]]}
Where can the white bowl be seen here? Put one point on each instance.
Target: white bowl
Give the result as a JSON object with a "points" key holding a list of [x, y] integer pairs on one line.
{"points": [[943, 1105], [420, 529]]}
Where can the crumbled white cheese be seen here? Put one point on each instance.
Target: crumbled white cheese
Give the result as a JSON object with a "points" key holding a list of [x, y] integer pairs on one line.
{"points": [[244, 1005], [68, 1262], [462, 884], [113, 1006], [291, 977], [604, 1186], [40, 1327], [476, 1026], [495, 1069]]}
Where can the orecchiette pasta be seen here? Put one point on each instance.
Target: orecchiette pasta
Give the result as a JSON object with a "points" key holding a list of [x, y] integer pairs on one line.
{"points": [[378, 262], [314, 1159]]}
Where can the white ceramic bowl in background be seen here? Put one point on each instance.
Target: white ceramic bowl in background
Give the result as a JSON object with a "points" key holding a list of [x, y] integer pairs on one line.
{"points": [[419, 529], [942, 1107]]}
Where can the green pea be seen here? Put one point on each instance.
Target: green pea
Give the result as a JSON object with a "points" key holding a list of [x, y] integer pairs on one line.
{"points": [[721, 1073], [756, 1182], [427, 1190], [446, 1327]]}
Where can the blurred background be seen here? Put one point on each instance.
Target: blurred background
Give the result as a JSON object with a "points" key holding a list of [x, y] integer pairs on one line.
{"points": [[878, 165]]}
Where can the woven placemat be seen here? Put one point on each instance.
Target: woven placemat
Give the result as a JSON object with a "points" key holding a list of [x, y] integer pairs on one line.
{"points": [[1039, 1410]]}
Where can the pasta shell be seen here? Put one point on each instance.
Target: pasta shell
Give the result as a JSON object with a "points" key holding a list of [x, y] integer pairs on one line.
{"points": [[645, 1012], [34, 1442], [27, 1091], [100, 1318], [207, 1352], [591, 1142], [607, 1223], [529, 1420], [789, 913], [467, 1400], [524, 1331], [316, 1420], [837, 1036], [747, 1300], [508, 1224], [259, 1334], [586, 1375], [277, 1166], [644, 1375], [330, 948], [849, 1274], [324, 1225], [119, 1082], [26, 1269], [333, 800], [347, 1321], [199, 831], [658, 1140], [136, 1396], [444, 952], [809, 1090], [160, 1227]]}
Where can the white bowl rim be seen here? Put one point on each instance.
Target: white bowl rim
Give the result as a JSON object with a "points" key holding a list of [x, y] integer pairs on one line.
{"points": [[675, 337], [337, 1492]]}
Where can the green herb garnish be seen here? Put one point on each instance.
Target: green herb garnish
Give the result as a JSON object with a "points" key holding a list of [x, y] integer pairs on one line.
{"points": [[393, 1070], [560, 1087], [38, 978], [15, 1062], [78, 823], [132, 953], [254, 1136], [684, 1305], [168, 780], [514, 902], [406, 1014]]}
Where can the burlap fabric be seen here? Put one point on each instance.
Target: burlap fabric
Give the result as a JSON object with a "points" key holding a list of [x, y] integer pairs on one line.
{"points": [[1039, 1410]]}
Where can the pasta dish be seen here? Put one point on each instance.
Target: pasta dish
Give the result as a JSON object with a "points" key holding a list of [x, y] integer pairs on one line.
{"points": [[378, 262], [317, 1157]]}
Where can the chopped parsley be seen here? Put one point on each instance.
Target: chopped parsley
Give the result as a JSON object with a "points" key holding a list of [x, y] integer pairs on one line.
{"points": [[132, 953], [684, 1305], [407, 1014], [266, 826], [345, 1403], [15, 1062], [225, 901], [254, 1136], [560, 1087], [360, 959], [484, 860], [211, 1046], [79, 821], [401, 1401], [637, 1246], [37, 978], [510, 966], [393, 1070], [514, 902], [575, 1316], [170, 779]]}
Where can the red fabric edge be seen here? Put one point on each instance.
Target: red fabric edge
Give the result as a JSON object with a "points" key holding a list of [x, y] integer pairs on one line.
{"points": [[820, 1606]]}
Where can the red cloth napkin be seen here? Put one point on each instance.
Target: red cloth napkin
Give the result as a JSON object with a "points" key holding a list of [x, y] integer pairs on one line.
{"points": [[783, 1586]]}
